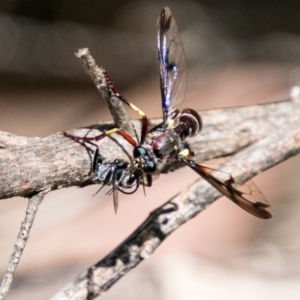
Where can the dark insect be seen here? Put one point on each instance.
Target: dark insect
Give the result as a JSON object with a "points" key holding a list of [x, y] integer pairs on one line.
{"points": [[165, 142], [116, 173]]}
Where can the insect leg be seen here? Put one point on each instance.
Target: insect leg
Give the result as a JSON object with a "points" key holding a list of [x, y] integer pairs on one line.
{"points": [[149, 180], [95, 160], [119, 131], [132, 106]]}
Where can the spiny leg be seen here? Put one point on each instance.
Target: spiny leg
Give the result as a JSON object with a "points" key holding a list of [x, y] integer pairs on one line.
{"points": [[99, 137], [147, 182], [132, 106], [95, 160]]}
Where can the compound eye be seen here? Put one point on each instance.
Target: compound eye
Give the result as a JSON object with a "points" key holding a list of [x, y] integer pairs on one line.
{"points": [[139, 151], [150, 167]]}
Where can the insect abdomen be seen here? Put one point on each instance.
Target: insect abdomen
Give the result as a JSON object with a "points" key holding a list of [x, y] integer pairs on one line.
{"points": [[190, 124]]}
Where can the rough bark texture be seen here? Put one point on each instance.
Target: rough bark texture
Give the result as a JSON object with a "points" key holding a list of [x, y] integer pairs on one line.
{"points": [[263, 154], [31, 211], [31, 165], [258, 137], [120, 117]]}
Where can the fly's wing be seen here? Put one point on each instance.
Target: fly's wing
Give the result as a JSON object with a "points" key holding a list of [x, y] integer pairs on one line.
{"points": [[171, 63], [115, 189], [116, 199], [247, 196]]}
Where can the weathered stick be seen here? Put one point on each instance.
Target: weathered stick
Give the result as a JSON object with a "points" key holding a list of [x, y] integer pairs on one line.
{"points": [[98, 75], [31, 211], [256, 158], [62, 162], [261, 135]]}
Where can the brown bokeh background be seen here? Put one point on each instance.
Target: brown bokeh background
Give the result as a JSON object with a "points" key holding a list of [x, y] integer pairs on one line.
{"points": [[238, 53]]}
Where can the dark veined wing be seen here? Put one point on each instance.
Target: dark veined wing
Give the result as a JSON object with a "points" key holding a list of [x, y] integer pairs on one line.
{"points": [[246, 195], [171, 63]]}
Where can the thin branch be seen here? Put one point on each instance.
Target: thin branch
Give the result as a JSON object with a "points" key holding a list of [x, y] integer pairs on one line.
{"points": [[120, 117], [181, 208], [31, 211], [63, 162]]}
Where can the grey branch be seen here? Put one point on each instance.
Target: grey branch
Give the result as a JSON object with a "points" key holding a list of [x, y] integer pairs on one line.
{"points": [[31, 211], [258, 137], [97, 74], [61, 162], [275, 147]]}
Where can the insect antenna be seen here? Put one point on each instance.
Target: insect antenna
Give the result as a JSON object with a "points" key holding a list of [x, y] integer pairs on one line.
{"points": [[103, 184]]}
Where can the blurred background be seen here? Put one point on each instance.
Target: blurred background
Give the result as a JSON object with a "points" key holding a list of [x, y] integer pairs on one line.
{"points": [[238, 53]]}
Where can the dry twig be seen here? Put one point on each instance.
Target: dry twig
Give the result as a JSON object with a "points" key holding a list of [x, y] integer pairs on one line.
{"points": [[120, 117], [260, 136], [31, 211], [263, 154]]}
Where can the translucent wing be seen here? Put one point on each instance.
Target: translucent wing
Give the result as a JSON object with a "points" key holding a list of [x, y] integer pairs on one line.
{"points": [[115, 195], [115, 187], [227, 182], [171, 63]]}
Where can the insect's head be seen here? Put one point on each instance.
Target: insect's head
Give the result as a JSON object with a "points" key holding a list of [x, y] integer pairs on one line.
{"points": [[144, 159]]}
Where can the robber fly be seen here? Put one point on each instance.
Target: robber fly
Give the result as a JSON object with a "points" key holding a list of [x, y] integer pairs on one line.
{"points": [[165, 142]]}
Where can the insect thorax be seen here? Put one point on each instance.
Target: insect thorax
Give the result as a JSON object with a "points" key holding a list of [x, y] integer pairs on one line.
{"points": [[167, 145]]}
